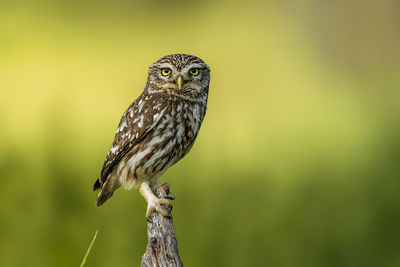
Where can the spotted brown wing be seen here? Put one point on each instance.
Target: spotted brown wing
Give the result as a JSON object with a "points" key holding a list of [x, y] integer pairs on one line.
{"points": [[137, 121]]}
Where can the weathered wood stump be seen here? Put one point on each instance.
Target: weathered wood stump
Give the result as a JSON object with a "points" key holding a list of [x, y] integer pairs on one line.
{"points": [[162, 248]]}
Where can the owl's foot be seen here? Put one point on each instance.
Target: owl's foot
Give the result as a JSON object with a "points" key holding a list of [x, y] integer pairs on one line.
{"points": [[162, 206], [165, 187]]}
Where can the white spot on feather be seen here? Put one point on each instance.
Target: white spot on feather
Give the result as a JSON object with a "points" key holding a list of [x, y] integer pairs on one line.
{"points": [[141, 105], [114, 149], [140, 124], [156, 116], [158, 106], [122, 127]]}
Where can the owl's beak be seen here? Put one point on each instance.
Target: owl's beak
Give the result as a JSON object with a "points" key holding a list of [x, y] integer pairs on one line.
{"points": [[179, 82]]}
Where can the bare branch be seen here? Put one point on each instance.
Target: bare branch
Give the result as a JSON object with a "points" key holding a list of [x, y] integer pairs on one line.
{"points": [[162, 248]]}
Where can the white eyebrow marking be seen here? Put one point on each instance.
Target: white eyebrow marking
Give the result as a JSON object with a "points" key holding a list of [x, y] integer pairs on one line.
{"points": [[166, 65], [194, 65]]}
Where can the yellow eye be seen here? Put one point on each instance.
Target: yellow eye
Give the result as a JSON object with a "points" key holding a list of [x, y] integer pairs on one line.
{"points": [[165, 72], [194, 71]]}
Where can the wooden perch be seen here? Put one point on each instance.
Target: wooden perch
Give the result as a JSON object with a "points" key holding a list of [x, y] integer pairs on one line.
{"points": [[162, 248]]}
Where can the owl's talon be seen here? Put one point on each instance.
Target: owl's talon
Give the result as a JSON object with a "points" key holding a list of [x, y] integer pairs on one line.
{"points": [[162, 206], [170, 196], [166, 188]]}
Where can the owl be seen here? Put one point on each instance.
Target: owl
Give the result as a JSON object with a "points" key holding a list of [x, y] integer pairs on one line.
{"points": [[157, 130]]}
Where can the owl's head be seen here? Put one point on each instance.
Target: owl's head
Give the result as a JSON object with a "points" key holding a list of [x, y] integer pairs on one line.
{"points": [[181, 74]]}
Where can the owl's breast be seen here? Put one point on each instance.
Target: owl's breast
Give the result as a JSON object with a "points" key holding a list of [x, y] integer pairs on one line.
{"points": [[169, 141], [189, 121], [176, 132]]}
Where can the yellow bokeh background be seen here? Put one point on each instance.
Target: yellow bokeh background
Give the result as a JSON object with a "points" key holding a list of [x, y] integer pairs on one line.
{"points": [[296, 164]]}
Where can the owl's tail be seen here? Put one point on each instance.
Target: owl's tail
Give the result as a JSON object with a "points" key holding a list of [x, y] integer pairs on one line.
{"points": [[106, 190], [104, 195], [97, 185]]}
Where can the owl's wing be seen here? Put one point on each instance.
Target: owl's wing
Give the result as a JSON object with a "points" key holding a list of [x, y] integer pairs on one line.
{"points": [[137, 121]]}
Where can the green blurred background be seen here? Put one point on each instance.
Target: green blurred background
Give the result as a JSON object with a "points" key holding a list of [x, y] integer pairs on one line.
{"points": [[296, 164]]}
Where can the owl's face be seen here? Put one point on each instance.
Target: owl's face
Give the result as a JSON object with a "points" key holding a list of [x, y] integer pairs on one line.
{"points": [[181, 74]]}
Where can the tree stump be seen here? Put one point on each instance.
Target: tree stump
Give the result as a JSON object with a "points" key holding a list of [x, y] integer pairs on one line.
{"points": [[162, 248]]}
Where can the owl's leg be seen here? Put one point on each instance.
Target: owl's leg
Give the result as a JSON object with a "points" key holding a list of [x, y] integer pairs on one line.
{"points": [[162, 206]]}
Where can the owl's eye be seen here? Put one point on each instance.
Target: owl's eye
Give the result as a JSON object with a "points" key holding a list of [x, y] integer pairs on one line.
{"points": [[194, 71], [165, 72]]}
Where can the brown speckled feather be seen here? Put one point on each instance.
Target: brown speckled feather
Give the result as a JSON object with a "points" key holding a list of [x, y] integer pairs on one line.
{"points": [[140, 117]]}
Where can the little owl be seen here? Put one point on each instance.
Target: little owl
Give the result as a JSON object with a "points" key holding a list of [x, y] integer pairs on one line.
{"points": [[157, 130]]}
